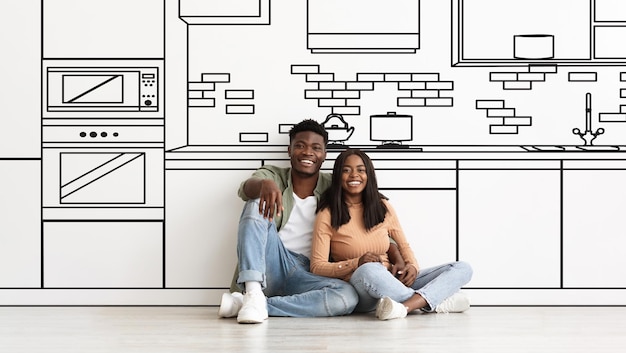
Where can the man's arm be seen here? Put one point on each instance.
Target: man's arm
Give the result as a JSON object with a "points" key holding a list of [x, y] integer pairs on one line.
{"points": [[403, 272], [252, 187], [395, 258]]}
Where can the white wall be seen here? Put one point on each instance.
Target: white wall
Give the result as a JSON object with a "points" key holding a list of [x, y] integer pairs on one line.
{"points": [[235, 81]]}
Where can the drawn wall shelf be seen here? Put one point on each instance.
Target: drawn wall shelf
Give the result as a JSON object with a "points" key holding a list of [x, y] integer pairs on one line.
{"points": [[538, 32], [225, 12]]}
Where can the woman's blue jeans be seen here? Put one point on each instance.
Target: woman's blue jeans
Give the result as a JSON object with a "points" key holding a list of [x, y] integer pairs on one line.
{"points": [[285, 276], [373, 281]]}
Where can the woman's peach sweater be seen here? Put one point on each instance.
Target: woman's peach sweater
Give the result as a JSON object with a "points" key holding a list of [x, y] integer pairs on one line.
{"points": [[336, 252]]}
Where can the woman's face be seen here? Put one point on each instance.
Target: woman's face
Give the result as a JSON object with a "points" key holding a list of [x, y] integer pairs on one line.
{"points": [[353, 176]]}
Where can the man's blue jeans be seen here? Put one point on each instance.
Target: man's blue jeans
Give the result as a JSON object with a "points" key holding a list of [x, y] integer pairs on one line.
{"points": [[373, 281], [291, 288]]}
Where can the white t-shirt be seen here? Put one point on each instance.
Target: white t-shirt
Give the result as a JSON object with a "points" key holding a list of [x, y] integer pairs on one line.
{"points": [[297, 233]]}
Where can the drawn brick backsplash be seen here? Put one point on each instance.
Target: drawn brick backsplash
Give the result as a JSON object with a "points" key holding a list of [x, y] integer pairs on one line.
{"points": [[418, 89]]}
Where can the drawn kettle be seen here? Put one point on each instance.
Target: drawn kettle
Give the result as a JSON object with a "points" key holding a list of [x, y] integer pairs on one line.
{"points": [[337, 128]]}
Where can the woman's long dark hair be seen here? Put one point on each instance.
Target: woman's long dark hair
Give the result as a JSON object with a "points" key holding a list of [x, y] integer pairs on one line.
{"points": [[374, 210]]}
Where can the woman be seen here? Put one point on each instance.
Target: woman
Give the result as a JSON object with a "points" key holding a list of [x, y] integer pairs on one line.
{"points": [[353, 225]]}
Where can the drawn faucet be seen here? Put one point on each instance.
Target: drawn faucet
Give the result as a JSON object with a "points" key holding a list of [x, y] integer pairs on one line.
{"points": [[588, 136]]}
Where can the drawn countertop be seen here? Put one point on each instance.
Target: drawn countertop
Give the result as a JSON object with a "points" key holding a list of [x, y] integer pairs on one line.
{"points": [[253, 156]]}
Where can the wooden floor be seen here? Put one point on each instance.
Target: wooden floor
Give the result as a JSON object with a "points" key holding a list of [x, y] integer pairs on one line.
{"points": [[197, 329]]}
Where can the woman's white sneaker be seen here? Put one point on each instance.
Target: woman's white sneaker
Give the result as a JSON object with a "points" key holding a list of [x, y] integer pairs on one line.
{"points": [[388, 309], [456, 303]]}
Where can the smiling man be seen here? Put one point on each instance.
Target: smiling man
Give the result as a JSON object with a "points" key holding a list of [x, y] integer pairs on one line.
{"points": [[274, 239]]}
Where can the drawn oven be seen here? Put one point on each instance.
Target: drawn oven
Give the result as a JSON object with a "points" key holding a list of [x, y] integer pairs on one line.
{"points": [[97, 173]]}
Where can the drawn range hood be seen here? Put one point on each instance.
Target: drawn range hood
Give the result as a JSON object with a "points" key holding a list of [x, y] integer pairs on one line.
{"points": [[363, 26]]}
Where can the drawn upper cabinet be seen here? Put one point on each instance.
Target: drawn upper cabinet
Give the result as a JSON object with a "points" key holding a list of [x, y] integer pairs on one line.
{"points": [[513, 32], [103, 29], [225, 12], [363, 26]]}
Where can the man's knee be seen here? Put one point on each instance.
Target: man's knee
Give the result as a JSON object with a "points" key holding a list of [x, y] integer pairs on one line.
{"points": [[251, 210], [341, 300]]}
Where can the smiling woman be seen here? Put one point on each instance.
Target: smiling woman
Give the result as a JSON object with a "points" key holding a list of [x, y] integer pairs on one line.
{"points": [[358, 238]]}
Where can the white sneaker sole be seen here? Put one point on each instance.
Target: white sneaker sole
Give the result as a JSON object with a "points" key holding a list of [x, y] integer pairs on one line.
{"points": [[250, 319]]}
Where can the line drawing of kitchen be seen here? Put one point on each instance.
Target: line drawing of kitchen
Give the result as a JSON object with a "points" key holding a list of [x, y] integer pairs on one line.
{"points": [[497, 129]]}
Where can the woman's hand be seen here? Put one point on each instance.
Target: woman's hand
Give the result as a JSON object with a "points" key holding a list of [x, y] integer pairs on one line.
{"points": [[369, 257], [407, 275]]}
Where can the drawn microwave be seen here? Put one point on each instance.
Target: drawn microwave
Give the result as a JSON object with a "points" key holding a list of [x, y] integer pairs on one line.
{"points": [[102, 89]]}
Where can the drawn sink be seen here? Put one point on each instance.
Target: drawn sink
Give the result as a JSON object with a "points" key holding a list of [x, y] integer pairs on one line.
{"points": [[600, 148], [557, 148]]}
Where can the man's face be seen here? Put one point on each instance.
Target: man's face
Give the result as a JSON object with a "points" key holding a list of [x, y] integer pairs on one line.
{"points": [[307, 152]]}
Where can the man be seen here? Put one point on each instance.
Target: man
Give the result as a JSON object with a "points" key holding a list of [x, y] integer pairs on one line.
{"points": [[274, 239]]}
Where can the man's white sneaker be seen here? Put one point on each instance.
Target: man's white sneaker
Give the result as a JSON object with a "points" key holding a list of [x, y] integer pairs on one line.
{"points": [[456, 303], [254, 309], [230, 305], [388, 309]]}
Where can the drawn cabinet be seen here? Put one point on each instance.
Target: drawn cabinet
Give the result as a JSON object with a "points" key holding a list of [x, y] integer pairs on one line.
{"points": [[424, 197], [532, 31], [509, 222], [90, 254], [20, 215], [201, 253], [594, 227], [609, 28], [363, 26], [428, 219], [103, 29], [202, 213], [20, 108]]}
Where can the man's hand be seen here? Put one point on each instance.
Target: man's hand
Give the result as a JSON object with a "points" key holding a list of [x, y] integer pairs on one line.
{"points": [[395, 258], [270, 199], [407, 275], [369, 257]]}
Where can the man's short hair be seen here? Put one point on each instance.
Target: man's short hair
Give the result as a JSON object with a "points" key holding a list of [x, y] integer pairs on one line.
{"points": [[309, 125]]}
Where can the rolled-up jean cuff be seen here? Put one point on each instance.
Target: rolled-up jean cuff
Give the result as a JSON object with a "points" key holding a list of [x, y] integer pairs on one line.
{"points": [[429, 307], [250, 276]]}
